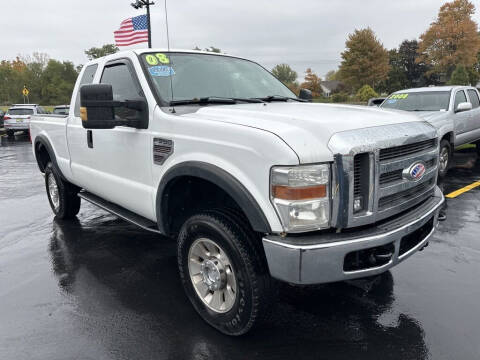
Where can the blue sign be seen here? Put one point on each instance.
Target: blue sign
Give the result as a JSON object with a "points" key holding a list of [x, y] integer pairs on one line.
{"points": [[161, 70]]}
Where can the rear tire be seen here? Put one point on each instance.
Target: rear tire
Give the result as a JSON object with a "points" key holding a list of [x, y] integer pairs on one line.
{"points": [[445, 158], [223, 273], [10, 133], [62, 196]]}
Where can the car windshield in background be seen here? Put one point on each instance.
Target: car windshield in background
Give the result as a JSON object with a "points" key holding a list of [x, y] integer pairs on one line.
{"points": [[20, 111], [419, 101], [203, 76]]}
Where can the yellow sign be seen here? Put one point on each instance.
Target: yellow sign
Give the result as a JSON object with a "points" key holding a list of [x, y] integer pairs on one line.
{"points": [[25, 91], [163, 58], [151, 60]]}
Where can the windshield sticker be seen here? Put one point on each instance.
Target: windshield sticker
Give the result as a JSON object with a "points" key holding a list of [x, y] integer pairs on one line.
{"points": [[391, 101], [399, 96], [161, 70], [162, 58], [151, 60]]}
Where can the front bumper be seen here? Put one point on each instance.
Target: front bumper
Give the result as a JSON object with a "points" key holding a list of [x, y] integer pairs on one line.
{"points": [[321, 258]]}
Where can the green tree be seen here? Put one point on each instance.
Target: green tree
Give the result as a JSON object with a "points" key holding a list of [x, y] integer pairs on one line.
{"points": [[284, 73], [452, 39], [331, 75], [365, 60], [97, 52], [459, 76], [366, 92]]}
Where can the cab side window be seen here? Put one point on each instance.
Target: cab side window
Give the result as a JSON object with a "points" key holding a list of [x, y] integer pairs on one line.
{"points": [[473, 95], [87, 78], [124, 87], [460, 98]]}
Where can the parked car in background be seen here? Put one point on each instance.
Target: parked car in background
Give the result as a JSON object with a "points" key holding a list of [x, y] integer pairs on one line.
{"points": [[1, 118], [376, 101], [453, 110], [18, 117], [61, 109], [252, 181]]}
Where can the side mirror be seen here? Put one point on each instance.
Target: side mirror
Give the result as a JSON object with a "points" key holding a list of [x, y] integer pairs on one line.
{"points": [[465, 106], [306, 95], [97, 108]]}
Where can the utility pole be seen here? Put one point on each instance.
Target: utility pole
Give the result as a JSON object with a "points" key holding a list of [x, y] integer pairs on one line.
{"points": [[139, 4]]}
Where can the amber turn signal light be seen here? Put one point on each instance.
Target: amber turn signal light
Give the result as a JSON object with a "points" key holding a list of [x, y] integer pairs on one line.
{"points": [[83, 113], [299, 193]]}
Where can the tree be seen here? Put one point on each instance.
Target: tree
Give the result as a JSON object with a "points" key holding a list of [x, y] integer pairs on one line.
{"points": [[365, 60], [284, 73], [365, 93], [312, 82], [331, 75], [460, 76], [212, 49], [452, 38], [95, 52]]}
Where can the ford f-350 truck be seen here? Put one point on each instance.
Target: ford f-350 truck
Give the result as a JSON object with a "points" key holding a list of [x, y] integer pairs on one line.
{"points": [[253, 182]]}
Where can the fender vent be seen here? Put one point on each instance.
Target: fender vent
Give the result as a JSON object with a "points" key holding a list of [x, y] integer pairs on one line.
{"points": [[162, 149]]}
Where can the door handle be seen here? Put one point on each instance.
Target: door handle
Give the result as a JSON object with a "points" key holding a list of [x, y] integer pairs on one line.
{"points": [[90, 138]]}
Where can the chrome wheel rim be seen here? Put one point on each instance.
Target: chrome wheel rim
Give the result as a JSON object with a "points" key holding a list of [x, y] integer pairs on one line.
{"points": [[212, 275], [53, 190], [443, 159]]}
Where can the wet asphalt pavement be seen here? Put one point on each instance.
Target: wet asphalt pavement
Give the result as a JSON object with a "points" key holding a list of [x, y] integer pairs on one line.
{"points": [[99, 288]]}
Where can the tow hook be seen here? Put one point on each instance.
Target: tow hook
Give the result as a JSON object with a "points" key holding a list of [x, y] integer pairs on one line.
{"points": [[381, 257], [424, 246]]}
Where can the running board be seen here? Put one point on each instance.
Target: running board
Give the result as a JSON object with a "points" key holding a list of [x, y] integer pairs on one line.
{"points": [[119, 211]]}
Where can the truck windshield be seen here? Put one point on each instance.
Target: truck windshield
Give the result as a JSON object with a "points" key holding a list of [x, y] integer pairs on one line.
{"points": [[204, 76], [19, 111], [419, 101]]}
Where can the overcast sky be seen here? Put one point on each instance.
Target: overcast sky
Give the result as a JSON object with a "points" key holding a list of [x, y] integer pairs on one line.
{"points": [[302, 33]]}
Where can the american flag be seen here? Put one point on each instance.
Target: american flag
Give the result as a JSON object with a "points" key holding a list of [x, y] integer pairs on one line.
{"points": [[132, 31]]}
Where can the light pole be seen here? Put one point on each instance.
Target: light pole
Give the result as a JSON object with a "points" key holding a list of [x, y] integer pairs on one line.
{"points": [[139, 4]]}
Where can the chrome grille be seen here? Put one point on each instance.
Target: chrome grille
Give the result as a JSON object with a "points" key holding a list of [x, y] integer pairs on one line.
{"points": [[380, 181], [405, 150]]}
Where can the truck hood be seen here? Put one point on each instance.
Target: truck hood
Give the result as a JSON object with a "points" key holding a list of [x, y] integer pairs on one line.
{"points": [[432, 115], [305, 127]]}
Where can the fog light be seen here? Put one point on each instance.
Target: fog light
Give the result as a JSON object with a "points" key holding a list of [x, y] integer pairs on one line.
{"points": [[358, 204]]}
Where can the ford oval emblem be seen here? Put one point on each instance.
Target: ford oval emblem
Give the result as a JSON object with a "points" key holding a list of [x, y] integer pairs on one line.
{"points": [[415, 172]]}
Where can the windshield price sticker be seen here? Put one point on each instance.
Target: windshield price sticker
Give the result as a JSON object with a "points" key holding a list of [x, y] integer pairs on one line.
{"points": [[399, 96], [162, 58], [161, 70], [151, 60]]}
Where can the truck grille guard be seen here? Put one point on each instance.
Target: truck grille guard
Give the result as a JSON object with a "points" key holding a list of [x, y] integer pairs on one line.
{"points": [[372, 165]]}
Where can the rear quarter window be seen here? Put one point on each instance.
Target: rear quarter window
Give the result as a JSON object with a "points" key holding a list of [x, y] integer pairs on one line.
{"points": [[473, 95], [87, 78]]}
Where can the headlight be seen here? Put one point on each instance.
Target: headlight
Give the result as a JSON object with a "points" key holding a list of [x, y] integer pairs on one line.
{"points": [[301, 196]]}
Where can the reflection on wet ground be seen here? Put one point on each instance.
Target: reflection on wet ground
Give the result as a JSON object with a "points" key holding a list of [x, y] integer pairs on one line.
{"points": [[99, 288]]}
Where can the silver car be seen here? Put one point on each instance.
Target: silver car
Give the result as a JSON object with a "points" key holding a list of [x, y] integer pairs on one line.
{"points": [[453, 110], [18, 116]]}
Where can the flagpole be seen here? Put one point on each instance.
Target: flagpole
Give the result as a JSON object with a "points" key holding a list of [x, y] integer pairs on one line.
{"points": [[138, 4]]}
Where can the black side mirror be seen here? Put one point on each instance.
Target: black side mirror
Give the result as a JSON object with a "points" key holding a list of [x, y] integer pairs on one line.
{"points": [[306, 95], [97, 108]]}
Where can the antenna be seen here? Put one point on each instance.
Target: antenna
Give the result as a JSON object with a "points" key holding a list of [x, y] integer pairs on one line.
{"points": [[170, 58]]}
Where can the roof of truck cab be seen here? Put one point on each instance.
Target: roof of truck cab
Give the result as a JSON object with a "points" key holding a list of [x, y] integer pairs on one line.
{"points": [[433, 88], [163, 50]]}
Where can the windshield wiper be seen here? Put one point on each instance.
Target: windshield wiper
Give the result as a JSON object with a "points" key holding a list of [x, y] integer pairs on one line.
{"points": [[279, 98], [215, 100]]}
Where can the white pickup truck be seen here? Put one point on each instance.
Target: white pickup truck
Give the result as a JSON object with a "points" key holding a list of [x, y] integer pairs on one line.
{"points": [[253, 182], [453, 110]]}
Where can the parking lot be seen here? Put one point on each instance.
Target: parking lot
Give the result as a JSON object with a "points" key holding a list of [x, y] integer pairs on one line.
{"points": [[99, 288]]}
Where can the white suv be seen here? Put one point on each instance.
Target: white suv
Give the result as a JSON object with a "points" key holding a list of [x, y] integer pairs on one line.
{"points": [[18, 116]]}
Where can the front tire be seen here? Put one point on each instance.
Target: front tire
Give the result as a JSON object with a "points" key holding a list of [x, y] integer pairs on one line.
{"points": [[10, 133], [445, 158], [224, 274], [62, 195]]}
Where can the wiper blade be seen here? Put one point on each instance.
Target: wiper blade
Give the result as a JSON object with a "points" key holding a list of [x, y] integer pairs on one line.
{"points": [[215, 100], [279, 98], [204, 100]]}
